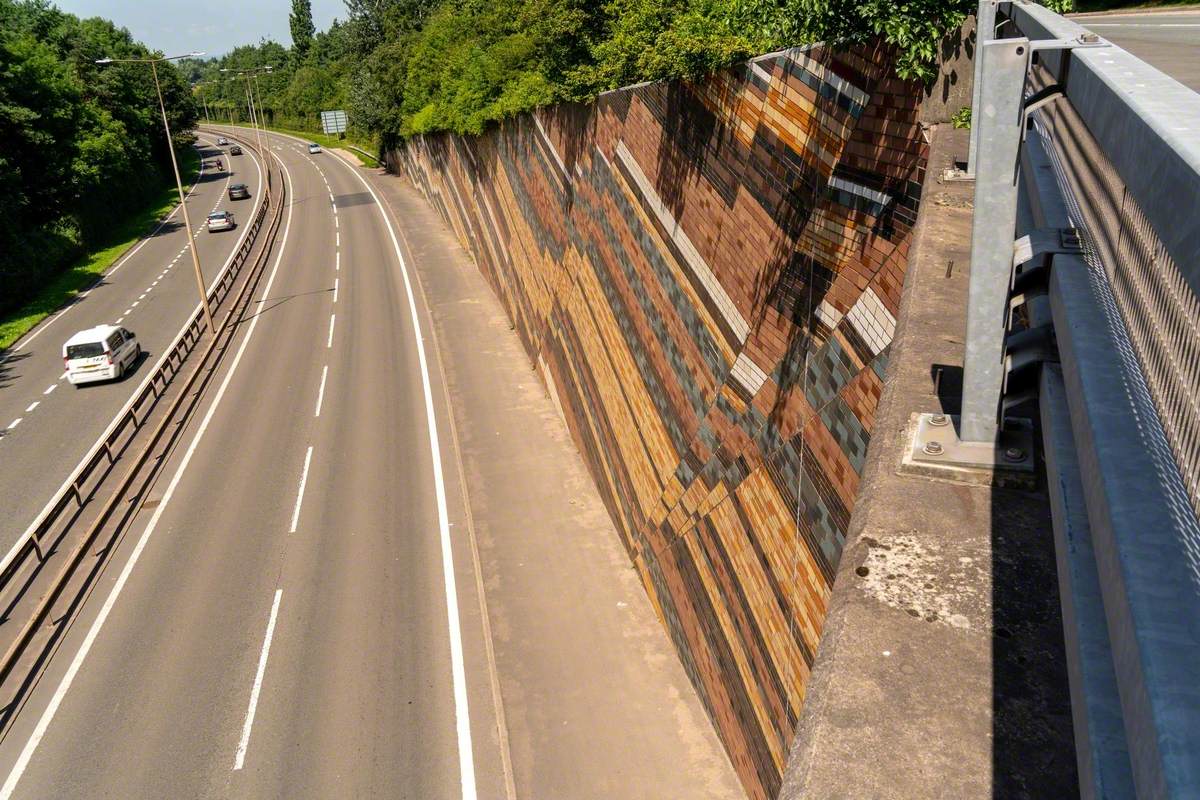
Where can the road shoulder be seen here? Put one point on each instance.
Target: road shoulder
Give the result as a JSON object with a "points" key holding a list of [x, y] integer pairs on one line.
{"points": [[596, 703]]}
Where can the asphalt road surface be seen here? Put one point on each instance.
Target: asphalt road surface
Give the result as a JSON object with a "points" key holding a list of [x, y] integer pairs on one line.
{"points": [[1169, 41], [46, 425], [297, 612]]}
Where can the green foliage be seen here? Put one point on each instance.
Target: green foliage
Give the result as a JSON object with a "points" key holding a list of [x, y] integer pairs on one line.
{"points": [[82, 143], [962, 118], [302, 27]]}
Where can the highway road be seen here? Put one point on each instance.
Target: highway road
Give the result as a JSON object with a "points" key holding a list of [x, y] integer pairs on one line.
{"points": [[1169, 41], [297, 610], [291, 627], [47, 425]]}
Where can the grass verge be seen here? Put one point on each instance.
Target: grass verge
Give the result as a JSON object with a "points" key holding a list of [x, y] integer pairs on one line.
{"points": [[84, 272]]}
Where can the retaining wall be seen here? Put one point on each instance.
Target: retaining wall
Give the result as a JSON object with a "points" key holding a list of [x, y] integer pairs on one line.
{"points": [[707, 278]]}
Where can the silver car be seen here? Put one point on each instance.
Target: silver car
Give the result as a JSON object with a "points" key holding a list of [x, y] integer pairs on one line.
{"points": [[221, 221]]}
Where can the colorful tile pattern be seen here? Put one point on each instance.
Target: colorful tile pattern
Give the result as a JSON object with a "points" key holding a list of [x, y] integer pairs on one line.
{"points": [[708, 277]]}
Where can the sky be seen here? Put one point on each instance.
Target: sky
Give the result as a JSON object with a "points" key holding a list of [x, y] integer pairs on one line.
{"points": [[181, 26]]}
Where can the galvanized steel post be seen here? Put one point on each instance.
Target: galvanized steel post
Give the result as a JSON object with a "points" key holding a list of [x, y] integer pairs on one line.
{"points": [[997, 121], [985, 31]]}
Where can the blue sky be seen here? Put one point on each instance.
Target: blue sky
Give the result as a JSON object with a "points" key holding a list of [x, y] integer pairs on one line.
{"points": [[180, 26]]}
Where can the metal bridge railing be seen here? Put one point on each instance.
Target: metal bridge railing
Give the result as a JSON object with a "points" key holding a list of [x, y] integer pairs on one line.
{"points": [[1092, 158]]}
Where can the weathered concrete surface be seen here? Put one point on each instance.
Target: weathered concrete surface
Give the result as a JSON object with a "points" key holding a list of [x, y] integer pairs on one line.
{"points": [[941, 671]]}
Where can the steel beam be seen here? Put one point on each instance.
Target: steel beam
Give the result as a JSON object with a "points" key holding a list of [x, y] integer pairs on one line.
{"points": [[1005, 64]]}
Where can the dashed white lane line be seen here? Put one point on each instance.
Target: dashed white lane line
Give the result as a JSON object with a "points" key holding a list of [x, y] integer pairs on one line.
{"points": [[134, 304], [18, 769], [51, 388], [329, 341], [119, 320], [337, 242], [128, 311], [141, 297], [14, 423], [335, 289], [32, 406], [321, 391], [300, 492], [60, 377], [336, 222], [337, 260], [240, 760]]}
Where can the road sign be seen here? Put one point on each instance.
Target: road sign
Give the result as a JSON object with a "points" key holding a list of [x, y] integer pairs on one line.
{"points": [[333, 121]]}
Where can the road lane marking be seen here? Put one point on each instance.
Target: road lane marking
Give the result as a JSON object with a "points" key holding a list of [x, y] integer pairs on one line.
{"points": [[112, 271], [332, 319], [466, 757], [60, 377], [321, 391], [32, 406], [35, 738], [300, 493], [258, 680], [337, 242], [52, 387], [335, 289], [337, 260], [336, 224], [119, 320], [14, 423], [128, 311]]}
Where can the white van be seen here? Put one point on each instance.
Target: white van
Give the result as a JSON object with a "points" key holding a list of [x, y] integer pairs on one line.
{"points": [[102, 353]]}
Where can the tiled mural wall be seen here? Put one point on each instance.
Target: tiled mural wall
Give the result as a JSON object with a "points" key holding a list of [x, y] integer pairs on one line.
{"points": [[708, 277]]}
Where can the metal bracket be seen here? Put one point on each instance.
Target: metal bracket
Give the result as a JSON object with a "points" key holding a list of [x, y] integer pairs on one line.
{"points": [[936, 450]]}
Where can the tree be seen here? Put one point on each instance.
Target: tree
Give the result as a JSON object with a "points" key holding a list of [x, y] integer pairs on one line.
{"points": [[302, 27]]}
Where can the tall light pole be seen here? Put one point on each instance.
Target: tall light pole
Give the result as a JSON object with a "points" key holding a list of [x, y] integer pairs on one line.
{"points": [[187, 222], [255, 108]]}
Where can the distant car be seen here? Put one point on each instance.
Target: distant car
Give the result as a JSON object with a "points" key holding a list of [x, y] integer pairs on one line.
{"points": [[221, 140], [235, 151], [238, 191], [102, 353], [220, 221], [313, 147]]}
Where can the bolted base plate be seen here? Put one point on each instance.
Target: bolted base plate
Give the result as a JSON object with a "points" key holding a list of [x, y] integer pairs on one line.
{"points": [[954, 174], [935, 450]]}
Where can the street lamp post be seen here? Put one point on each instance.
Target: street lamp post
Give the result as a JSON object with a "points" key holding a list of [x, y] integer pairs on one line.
{"points": [[187, 222], [255, 107]]}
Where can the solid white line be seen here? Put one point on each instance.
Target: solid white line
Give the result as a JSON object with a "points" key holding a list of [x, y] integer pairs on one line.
{"points": [[466, 758], [332, 319], [32, 406], [335, 289], [300, 492], [53, 386], [14, 776], [258, 680], [321, 391]]}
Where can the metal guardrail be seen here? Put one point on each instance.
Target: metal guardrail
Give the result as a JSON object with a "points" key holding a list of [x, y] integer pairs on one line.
{"points": [[55, 521], [1093, 157]]}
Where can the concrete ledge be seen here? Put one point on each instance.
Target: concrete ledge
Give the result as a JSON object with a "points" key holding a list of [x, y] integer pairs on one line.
{"points": [[941, 671]]}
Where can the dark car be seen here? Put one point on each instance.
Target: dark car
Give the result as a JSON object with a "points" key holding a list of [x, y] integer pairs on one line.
{"points": [[235, 151], [239, 191]]}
